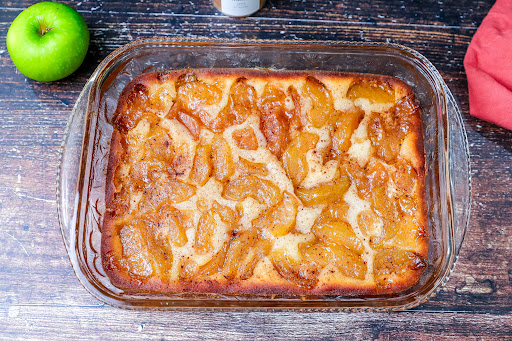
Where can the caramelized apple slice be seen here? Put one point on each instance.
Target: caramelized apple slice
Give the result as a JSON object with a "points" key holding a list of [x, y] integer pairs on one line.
{"points": [[386, 142], [130, 111], [368, 223], [320, 99], [392, 265], [134, 141], [241, 103], [202, 166], [408, 204], [243, 254], [274, 119], [254, 254], [159, 144], [279, 219], [272, 96], [317, 253], [204, 233], [194, 94], [294, 158], [227, 215], [337, 210], [407, 112], [161, 99], [224, 119], [237, 248], [405, 233], [145, 250], [375, 175], [294, 270], [135, 257], [324, 193], [405, 177], [215, 264], [349, 263], [144, 172], [374, 91], [345, 126], [222, 160], [338, 233], [187, 270], [190, 122], [181, 161], [168, 225], [251, 168], [245, 138], [178, 191], [295, 119], [243, 98], [173, 191], [384, 204], [264, 191]]}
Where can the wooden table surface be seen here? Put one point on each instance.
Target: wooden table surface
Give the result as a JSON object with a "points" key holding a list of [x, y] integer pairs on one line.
{"points": [[40, 297]]}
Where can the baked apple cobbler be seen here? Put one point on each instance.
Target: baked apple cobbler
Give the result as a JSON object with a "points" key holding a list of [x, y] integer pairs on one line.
{"points": [[265, 182]]}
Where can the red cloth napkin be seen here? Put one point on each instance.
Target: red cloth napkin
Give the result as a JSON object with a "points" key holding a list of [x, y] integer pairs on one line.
{"points": [[488, 64]]}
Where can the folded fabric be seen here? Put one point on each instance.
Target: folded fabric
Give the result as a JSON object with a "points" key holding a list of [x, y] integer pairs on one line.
{"points": [[488, 65]]}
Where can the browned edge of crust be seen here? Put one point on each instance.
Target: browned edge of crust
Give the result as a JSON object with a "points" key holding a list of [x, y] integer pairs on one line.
{"points": [[209, 286], [108, 245], [108, 228]]}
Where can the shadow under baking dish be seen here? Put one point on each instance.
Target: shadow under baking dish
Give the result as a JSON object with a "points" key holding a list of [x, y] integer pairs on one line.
{"points": [[84, 157]]}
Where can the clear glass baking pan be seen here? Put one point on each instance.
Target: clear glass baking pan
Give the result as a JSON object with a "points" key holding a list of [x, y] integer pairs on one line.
{"points": [[82, 169]]}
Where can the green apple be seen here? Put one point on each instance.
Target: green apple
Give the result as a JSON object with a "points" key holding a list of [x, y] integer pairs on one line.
{"points": [[48, 41]]}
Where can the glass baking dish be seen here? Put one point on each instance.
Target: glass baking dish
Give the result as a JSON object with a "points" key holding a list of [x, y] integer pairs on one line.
{"points": [[84, 157]]}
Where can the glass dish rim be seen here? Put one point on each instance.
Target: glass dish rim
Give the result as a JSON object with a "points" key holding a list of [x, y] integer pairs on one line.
{"points": [[95, 79]]}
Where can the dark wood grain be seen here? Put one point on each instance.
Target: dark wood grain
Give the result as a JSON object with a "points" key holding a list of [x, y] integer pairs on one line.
{"points": [[252, 326], [40, 298]]}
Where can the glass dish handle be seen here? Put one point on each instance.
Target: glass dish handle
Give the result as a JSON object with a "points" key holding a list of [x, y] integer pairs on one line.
{"points": [[69, 168], [458, 161]]}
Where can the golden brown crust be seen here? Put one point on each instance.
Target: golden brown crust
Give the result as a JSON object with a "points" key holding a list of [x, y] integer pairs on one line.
{"points": [[131, 284], [137, 103]]}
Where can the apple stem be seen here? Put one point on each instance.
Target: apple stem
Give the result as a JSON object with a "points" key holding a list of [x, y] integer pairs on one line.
{"points": [[43, 28]]}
